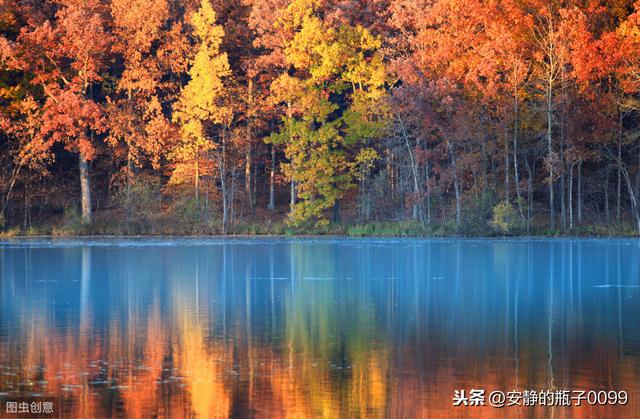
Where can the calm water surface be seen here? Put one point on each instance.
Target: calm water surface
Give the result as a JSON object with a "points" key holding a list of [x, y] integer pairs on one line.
{"points": [[317, 328]]}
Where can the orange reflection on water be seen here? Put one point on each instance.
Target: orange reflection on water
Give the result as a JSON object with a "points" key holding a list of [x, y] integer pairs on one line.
{"points": [[150, 374], [171, 365], [203, 366]]}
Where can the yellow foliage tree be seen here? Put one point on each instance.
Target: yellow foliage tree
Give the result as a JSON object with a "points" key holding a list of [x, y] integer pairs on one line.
{"points": [[334, 108], [200, 103]]}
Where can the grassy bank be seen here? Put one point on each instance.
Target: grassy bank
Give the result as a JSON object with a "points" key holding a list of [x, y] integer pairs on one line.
{"points": [[106, 224]]}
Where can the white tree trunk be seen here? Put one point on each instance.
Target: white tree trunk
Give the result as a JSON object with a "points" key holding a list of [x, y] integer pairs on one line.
{"points": [[272, 180], [85, 189]]}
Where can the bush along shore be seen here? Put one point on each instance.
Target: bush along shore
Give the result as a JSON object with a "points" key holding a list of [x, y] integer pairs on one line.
{"points": [[189, 222]]}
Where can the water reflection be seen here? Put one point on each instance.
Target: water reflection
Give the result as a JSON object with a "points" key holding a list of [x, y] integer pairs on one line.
{"points": [[310, 328]]}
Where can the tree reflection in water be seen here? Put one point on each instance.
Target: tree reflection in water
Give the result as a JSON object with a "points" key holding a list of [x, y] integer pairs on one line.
{"points": [[288, 328]]}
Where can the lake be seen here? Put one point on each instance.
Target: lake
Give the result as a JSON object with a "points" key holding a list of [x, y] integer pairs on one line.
{"points": [[320, 327]]}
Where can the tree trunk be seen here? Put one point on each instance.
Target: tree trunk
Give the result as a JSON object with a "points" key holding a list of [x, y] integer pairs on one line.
{"points": [[254, 184], [619, 189], [205, 218], [336, 212], [607, 212], [272, 180], [426, 171], [247, 177], [638, 175], [129, 197], [506, 168], [552, 223], [563, 208], [231, 192], [551, 64], [580, 192], [529, 193], [516, 113], [196, 187], [248, 162], [25, 210], [292, 201], [485, 168], [5, 204], [390, 172], [223, 184], [563, 186], [85, 189], [85, 179], [129, 167], [456, 186], [443, 211], [414, 171], [632, 197], [571, 196]]}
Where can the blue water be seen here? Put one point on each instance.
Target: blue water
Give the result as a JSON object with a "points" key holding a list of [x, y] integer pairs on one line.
{"points": [[317, 327]]}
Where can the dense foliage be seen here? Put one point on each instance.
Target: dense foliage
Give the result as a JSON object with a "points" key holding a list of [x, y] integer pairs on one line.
{"points": [[206, 116]]}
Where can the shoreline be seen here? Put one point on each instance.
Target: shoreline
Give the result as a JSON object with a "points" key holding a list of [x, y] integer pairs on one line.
{"points": [[114, 228], [311, 236]]}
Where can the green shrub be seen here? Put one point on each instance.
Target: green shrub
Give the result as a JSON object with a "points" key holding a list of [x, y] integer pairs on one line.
{"points": [[141, 202], [71, 224], [505, 219], [477, 214], [390, 229], [190, 216]]}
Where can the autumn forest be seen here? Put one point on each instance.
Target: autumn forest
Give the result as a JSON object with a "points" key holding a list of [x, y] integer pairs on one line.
{"points": [[474, 117]]}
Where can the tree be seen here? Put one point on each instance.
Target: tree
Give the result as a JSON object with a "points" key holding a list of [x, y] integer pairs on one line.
{"points": [[626, 56], [199, 106], [134, 105], [332, 103], [65, 55], [21, 120]]}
